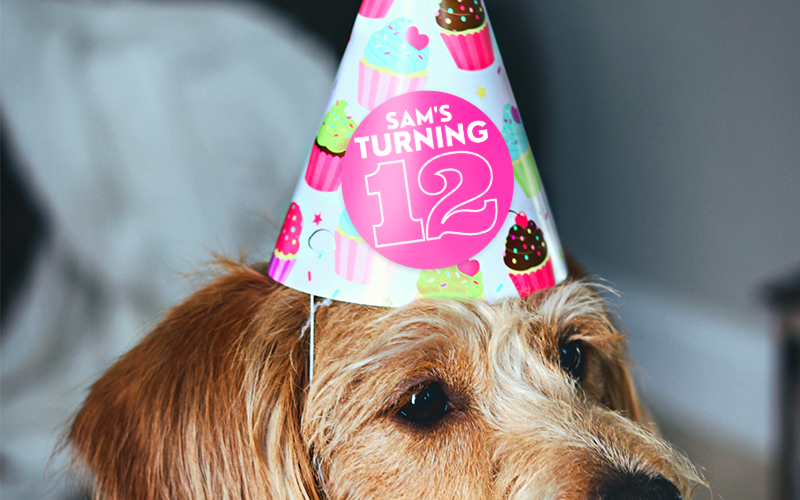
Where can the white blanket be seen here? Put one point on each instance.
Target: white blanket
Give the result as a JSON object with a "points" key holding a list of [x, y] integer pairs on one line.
{"points": [[152, 135]]}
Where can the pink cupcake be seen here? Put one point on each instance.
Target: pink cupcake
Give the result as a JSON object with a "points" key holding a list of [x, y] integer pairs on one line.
{"points": [[529, 264], [395, 62], [375, 9], [285, 254], [355, 260], [324, 170], [466, 33]]}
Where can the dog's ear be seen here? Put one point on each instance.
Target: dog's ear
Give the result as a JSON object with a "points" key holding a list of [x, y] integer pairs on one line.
{"points": [[209, 404]]}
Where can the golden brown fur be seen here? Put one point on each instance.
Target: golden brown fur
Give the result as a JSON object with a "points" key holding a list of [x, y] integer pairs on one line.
{"points": [[215, 403]]}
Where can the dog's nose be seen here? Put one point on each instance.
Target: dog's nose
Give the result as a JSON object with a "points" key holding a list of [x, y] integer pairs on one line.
{"points": [[641, 487]]}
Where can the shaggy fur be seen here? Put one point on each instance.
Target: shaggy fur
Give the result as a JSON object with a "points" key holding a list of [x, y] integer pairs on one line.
{"points": [[215, 402]]}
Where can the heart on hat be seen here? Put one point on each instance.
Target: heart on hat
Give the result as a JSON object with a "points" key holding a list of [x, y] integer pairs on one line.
{"points": [[470, 267], [416, 39]]}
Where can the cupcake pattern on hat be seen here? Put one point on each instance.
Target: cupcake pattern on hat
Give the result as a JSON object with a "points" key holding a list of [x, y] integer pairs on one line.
{"points": [[462, 281], [466, 33], [285, 253], [525, 170], [527, 258], [353, 255], [324, 170], [355, 260], [375, 9], [395, 62]]}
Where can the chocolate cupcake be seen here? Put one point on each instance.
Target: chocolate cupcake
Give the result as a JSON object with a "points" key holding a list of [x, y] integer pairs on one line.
{"points": [[466, 33], [526, 257]]}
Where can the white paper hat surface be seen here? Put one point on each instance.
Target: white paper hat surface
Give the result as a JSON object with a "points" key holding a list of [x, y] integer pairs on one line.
{"points": [[421, 181]]}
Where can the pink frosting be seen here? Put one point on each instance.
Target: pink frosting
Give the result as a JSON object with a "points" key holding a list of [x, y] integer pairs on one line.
{"points": [[289, 239]]}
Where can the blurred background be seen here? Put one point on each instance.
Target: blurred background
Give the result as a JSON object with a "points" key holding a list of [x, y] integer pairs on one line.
{"points": [[138, 137]]}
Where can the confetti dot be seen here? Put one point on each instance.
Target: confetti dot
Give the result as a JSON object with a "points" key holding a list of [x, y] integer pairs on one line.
{"points": [[526, 257], [515, 227], [294, 217], [522, 238], [524, 247], [513, 261], [462, 7], [544, 244], [515, 250], [292, 229], [529, 231], [537, 237], [447, 21], [478, 18], [294, 242], [539, 254], [513, 237], [450, 11], [471, 9], [463, 19]]}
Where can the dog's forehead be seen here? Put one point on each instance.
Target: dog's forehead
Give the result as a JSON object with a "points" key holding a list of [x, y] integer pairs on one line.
{"points": [[430, 335]]}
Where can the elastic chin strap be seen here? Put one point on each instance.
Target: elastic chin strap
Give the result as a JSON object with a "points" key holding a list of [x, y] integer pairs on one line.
{"points": [[310, 327], [311, 342], [316, 462]]}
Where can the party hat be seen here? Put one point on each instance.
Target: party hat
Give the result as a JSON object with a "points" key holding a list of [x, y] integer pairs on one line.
{"points": [[421, 181]]}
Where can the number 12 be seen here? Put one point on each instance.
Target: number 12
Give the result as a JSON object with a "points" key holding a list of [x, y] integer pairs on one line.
{"points": [[399, 227]]}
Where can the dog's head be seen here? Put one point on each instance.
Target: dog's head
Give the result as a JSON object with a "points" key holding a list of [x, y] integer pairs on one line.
{"points": [[524, 399]]}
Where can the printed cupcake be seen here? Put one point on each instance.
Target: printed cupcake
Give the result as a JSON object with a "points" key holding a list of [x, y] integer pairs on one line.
{"points": [[466, 33], [529, 264], [395, 62], [324, 171], [375, 9], [285, 254], [353, 257], [462, 281], [525, 170]]}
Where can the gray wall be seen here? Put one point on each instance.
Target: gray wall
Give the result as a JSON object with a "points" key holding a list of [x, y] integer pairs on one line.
{"points": [[670, 136]]}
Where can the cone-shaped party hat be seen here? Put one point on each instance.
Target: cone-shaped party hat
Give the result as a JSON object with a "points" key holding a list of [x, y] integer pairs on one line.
{"points": [[421, 181]]}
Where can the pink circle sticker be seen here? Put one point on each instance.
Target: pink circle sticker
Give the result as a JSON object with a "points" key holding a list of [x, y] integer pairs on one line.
{"points": [[427, 180]]}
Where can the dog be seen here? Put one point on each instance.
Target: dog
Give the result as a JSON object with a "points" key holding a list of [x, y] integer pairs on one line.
{"points": [[521, 399]]}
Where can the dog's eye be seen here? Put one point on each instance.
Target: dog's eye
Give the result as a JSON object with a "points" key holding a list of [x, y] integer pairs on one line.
{"points": [[427, 405], [572, 358]]}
